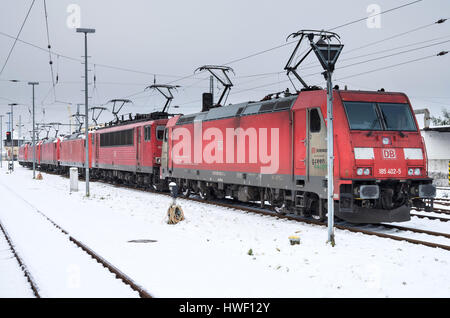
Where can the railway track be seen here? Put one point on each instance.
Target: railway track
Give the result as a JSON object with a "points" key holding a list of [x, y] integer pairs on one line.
{"points": [[430, 217], [23, 267], [354, 229], [350, 228], [110, 267]]}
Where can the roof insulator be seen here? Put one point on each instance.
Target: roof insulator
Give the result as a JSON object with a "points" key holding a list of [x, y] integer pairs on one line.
{"points": [[441, 21], [442, 53]]}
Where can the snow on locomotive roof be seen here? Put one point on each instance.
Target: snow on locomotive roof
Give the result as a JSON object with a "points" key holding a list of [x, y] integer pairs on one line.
{"points": [[75, 136], [242, 109]]}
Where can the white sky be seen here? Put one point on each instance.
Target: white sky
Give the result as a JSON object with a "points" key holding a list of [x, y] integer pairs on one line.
{"points": [[175, 37]]}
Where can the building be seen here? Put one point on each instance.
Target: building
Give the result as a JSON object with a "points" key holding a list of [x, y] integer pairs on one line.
{"points": [[11, 145], [437, 141]]}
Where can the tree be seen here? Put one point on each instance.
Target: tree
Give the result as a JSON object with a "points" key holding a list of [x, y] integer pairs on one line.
{"points": [[443, 120]]}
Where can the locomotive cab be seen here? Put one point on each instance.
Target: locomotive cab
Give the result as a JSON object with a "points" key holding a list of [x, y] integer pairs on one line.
{"points": [[382, 159]]}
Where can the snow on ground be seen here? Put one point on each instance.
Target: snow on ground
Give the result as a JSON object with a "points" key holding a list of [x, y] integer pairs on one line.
{"points": [[207, 255], [427, 224], [55, 263], [13, 282]]}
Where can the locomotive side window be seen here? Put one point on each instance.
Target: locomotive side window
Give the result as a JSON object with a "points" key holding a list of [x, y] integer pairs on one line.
{"points": [[314, 120], [160, 132], [147, 133], [117, 138]]}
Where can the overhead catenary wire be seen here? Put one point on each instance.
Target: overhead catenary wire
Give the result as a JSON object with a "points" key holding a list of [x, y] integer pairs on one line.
{"points": [[353, 57], [349, 65], [288, 43], [440, 21], [49, 48], [74, 59], [234, 61], [332, 29], [17, 37], [350, 76], [394, 65]]}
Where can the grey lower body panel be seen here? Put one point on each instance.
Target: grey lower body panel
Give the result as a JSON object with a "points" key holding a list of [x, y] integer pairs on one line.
{"points": [[72, 164], [278, 181], [127, 168]]}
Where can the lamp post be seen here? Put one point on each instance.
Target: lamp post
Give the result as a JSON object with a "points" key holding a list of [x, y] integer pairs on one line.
{"points": [[86, 31], [34, 133]]}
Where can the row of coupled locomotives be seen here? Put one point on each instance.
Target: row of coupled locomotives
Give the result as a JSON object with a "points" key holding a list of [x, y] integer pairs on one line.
{"points": [[271, 152]]}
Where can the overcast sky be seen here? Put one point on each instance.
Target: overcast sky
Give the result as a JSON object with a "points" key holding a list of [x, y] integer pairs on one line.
{"points": [[173, 38]]}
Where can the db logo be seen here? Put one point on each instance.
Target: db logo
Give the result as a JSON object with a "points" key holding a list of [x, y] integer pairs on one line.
{"points": [[389, 154]]}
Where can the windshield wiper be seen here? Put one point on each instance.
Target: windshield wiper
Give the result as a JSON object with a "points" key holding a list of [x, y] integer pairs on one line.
{"points": [[371, 127]]}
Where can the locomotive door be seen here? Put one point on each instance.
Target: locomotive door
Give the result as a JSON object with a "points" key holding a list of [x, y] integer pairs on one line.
{"points": [[317, 144], [164, 151], [97, 144], [138, 147], [300, 142]]}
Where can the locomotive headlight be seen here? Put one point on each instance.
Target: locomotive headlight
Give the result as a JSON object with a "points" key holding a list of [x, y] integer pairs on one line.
{"points": [[386, 141], [366, 171], [410, 172], [417, 171], [359, 171]]}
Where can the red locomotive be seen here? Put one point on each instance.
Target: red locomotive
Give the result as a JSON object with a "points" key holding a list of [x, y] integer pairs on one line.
{"points": [[49, 154], [275, 151], [130, 152], [269, 151]]}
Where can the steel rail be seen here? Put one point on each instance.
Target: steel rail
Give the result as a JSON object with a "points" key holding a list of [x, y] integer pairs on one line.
{"points": [[114, 270], [23, 267]]}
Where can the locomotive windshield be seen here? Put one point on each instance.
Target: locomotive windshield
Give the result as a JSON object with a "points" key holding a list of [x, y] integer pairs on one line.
{"points": [[379, 116]]}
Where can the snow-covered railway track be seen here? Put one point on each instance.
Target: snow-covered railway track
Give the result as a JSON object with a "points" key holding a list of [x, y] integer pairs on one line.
{"points": [[103, 278], [4, 235], [352, 228], [430, 217]]}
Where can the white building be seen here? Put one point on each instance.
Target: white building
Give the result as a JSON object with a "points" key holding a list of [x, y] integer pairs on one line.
{"points": [[437, 142]]}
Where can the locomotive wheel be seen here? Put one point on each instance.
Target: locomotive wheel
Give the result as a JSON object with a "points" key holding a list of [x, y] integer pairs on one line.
{"points": [[280, 208], [185, 192], [318, 217], [316, 213], [205, 194]]}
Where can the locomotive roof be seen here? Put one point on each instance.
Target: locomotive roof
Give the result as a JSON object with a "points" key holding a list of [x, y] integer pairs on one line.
{"points": [[138, 118], [241, 109]]}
